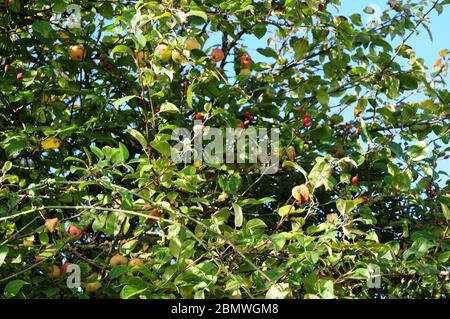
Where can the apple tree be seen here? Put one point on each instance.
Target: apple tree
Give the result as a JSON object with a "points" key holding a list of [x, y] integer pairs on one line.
{"points": [[91, 91]]}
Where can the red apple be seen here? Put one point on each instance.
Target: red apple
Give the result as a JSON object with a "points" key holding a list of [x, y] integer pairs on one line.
{"points": [[245, 60], [75, 231], [20, 76], [65, 266], [217, 55]]}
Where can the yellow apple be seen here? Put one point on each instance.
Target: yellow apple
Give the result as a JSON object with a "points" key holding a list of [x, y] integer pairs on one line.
{"points": [[163, 53], [192, 44]]}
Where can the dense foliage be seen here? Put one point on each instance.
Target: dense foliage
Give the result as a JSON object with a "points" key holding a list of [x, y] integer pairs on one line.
{"points": [[86, 116]]}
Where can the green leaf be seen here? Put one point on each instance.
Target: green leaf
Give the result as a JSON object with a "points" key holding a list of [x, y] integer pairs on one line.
{"points": [[122, 49], [168, 107], [6, 167], [42, 27], [14, 287], [197, 13], [278, 291], [162, 147], [98, 152], [445, 211], [360, 273], [345, 206], [278, 241], [443, 257], [59, 6], [118, 271], [285, 210], [238, 215], [122, 100], [124, 152], [139, 137], [14, 147], [418, 151], [323, 97], [259, 30], [130, 291], [106, 10], [268, 52], [300, 47]]}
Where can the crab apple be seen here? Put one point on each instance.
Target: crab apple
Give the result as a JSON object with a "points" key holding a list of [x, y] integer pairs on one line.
{"points": [[140, 57], [93, 287], [245, 72], [217, 55], [198, 116], [307, 123], [240, 125], [135, 262], [245, 60], [54, 271], [291, 153], [247, 113], [163, 53], [75, 231], [77, 52], [118, 260], [19, 76], [177, 57], [154, 213], [246, 122], [355, 180], [335, 150], [191, 44], [65, 266], [7, 67]]}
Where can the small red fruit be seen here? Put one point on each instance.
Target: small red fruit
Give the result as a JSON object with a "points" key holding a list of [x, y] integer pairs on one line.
{"points": [[75, 231], [246, 122], [217, 55], [335, 150], [240, 125], [65, 266], [198, 116], [440, 223], [154, 213], [245, 61], [7, 67], [20, 76], [247, 113], [307, 116], [355, 180]]}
